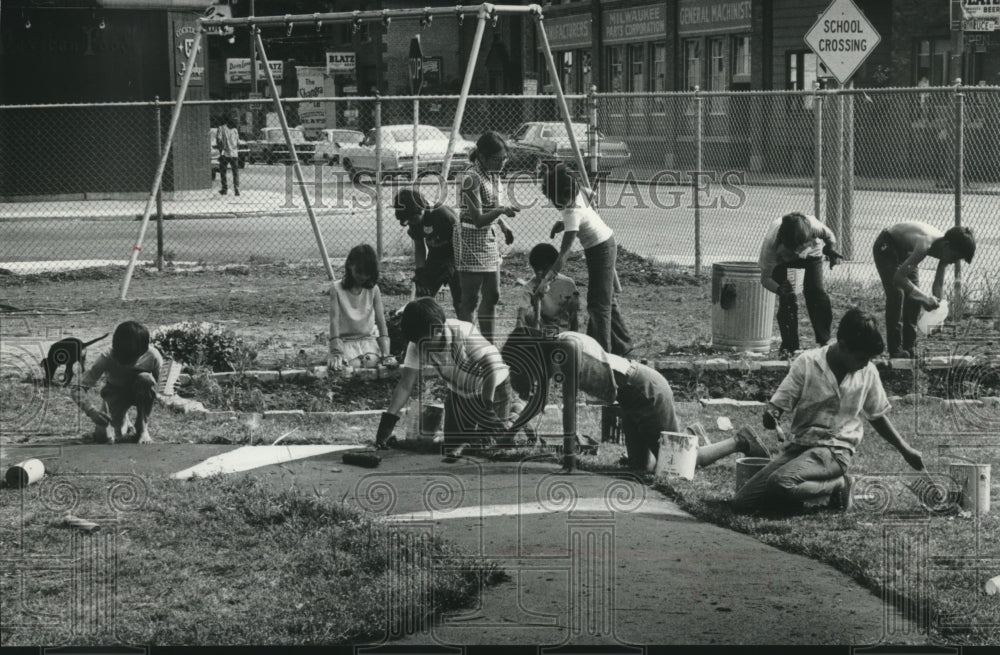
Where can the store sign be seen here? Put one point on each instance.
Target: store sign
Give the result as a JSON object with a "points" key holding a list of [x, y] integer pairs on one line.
{"points": [[184, 39], [218, 11], [842, 38], [338, 63], [238, 71], [713, 16], [277, 70], [568, 32], [976, 15], [646, 23], [312, 85]]}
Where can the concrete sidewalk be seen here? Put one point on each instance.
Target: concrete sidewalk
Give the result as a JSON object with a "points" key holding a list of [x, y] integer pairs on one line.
{"points": [[592, 559]]}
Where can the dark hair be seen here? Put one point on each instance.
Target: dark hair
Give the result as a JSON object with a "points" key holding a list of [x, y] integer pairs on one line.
{"points": [[859, 332], [490, 143], [440, 220], [559, 185], [419, 319], [962, 242], [543, 256], [794, 231], [231, 122], [527, 353], [129, 342], [407, 203], [362, 257]]}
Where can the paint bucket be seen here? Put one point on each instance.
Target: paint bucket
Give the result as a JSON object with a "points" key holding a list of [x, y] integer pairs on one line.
{"points": [[27, 472], [747, 467], [678, 454], [974, 482]]}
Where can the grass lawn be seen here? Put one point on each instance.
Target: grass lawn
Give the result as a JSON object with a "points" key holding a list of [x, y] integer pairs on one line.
{"points": [[855, 542], [221, 561]]}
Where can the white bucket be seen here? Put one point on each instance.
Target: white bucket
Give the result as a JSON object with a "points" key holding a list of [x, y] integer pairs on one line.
{"points": [[974, 482], [928, 320], [27, 472], [678, 454]]}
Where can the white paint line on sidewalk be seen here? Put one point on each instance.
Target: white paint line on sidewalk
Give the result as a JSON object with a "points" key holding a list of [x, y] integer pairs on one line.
{"points": [[251, 457], [648, 507]]}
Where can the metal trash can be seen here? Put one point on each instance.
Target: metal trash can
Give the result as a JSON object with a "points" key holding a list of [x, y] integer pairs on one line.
{"points": [[742, 309]]}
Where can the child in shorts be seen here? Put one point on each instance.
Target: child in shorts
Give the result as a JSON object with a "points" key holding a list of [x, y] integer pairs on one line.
{"points": [[131, 372]]}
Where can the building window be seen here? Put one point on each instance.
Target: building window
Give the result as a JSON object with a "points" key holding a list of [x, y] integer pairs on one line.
{"points": [[659, 76], [637, 67], [741, 57], [692, 64], [718, 75], [932, 61], [585, 76], [567, 71], [616, 69]]}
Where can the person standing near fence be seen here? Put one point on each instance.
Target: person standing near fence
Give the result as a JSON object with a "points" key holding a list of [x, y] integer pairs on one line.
{"points": [[431, 229], [477, 255], [898, 250], [803, 242], [228, 142], [580, 221]]}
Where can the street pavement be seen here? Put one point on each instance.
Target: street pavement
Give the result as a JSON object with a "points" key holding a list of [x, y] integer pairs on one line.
{"points": [[268, 222], [592, 558]]}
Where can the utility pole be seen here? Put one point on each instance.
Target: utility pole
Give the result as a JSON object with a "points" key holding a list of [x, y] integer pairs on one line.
{"points": [[253, 56]]}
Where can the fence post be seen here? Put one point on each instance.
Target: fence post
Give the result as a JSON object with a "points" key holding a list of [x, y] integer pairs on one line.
{"points": [[847, 178], [416, 122], [834, 172], [159, 190], [593, 143], [958, 309], [696, 178], [818, 155], [378, 175]]}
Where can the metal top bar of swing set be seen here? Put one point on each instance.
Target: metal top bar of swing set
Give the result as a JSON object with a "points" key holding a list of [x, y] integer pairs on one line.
{"points": [[485, 9]]}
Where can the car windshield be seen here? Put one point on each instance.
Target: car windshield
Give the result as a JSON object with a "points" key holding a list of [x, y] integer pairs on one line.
{"points": [[276, 135]]}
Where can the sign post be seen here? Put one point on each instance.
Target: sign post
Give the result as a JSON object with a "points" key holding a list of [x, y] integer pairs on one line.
{"points": [[842, 39]]}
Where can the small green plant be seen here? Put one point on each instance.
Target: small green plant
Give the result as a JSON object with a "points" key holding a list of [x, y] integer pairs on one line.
{"points": [[204, 344]]}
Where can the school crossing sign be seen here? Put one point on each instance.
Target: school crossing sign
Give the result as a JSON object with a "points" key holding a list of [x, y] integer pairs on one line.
{"points": [[842, 38]]}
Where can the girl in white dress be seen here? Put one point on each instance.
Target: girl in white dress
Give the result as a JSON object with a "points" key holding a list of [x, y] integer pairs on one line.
{"points": [[358, 334]]}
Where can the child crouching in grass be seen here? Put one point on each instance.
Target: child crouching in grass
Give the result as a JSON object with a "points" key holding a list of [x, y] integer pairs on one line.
{"points": [[132, 370], [477, 406], [827, 390]]}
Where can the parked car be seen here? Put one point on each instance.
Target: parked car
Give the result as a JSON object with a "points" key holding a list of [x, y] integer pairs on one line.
{"points": [[332, 141], [533, 143], [397, 151], [242, 149], [271, 146]]}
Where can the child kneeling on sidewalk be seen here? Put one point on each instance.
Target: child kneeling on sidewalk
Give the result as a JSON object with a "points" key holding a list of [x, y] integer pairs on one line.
{"points": [[132, 371], [477, 406], [645, 397], [826, 389]]}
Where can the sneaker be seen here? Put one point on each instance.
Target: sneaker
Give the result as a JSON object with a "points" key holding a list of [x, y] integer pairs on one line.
{"points": [[222, 192], [236, 192], [841, 498], [750, 444], [698, 430]]}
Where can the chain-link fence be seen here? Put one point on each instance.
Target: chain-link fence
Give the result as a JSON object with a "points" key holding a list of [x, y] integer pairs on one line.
{"points": [[74, 178]]}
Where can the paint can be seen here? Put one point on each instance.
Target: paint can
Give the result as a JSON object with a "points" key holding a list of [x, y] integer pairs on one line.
{"points": [[678, 454], [974, 482], [24, 473], [747, 467]]}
